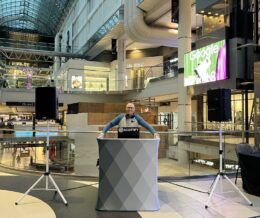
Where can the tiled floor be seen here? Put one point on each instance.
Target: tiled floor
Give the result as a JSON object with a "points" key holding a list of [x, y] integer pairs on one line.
{"points": [[181, 198], [189, 203]]}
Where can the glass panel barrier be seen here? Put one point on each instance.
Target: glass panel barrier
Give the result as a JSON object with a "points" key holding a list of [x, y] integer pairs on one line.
{"points": [[203, 147], [87, 79], [76, 153]]}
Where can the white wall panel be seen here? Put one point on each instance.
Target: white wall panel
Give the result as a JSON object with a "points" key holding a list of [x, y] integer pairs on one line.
{"points": [[85, 18]]}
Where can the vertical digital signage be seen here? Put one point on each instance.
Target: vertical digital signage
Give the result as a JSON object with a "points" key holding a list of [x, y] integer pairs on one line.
{"points": [[207, 64]]}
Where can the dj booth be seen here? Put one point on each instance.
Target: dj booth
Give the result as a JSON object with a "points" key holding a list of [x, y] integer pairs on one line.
{"points": [[128, 174]]}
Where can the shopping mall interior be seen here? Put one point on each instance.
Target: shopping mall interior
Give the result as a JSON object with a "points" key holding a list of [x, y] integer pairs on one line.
{"points": [[191, 69]]}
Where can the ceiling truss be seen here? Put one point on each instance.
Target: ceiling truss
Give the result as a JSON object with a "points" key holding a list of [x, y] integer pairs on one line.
{"points": [[35, 55]]}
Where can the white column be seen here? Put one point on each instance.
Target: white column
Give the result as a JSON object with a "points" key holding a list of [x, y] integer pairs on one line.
{"points": [[121, 61], [184, 99], [57, 61]]}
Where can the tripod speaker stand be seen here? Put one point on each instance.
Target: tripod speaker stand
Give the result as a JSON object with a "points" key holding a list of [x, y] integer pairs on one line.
{"points": [[46, 175], [221, 174], [46, 108]]}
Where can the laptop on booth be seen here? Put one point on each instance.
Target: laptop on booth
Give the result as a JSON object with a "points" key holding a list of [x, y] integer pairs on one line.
{"points": [[128, 132]]}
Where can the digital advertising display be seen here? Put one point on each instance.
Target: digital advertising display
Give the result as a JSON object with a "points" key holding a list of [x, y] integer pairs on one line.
{"points": [[207, 64]]}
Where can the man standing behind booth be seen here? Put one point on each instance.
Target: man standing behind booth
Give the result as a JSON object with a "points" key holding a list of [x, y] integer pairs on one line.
{"points": [[129, 119]]}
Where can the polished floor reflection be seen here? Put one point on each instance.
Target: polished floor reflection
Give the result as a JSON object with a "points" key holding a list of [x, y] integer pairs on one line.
{"points": [[178, 198]]}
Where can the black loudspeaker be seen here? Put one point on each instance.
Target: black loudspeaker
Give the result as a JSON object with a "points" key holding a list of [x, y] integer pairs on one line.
{"points": [[219, 105], [46, 103], [113, 47], [175, 11], [237, 17]]}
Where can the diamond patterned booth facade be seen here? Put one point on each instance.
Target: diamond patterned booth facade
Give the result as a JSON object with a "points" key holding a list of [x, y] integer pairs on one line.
{"points": [[128, 174]]}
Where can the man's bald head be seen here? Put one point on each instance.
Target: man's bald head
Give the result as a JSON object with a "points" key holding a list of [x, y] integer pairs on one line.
{"points": [[130, 108]]}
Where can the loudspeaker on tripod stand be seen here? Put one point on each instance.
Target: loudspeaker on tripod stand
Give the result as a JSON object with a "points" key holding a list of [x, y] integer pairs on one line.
{"points": [[46, 108], [46, 103], [219, 105]]}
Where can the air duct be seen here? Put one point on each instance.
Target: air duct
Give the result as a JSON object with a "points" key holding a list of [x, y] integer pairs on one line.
{"points": [[139, 31]]}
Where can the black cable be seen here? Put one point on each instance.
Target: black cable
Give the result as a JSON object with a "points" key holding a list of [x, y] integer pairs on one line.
{"points": [[173, 183], [68, 189]]}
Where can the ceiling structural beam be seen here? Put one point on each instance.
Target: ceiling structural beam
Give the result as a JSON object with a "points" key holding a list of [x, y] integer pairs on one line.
{"points": [[35, 55], [42, 25], [44, 17]]}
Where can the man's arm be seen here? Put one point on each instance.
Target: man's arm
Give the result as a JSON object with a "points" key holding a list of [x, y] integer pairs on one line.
{"points": [[113, 123], [144, 124]]}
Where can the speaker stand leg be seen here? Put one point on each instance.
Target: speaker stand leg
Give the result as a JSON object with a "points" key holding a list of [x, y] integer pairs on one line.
{"points": [[222, 175], [213, 189], [46, 175], [30, 189], [238, 190]]}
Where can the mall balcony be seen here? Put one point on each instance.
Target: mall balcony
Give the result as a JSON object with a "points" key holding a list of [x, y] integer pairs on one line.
{"points": [[73, 156]]}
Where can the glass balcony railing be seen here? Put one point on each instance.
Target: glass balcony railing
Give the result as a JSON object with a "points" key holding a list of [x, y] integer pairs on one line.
{"points": [[76, 152], [93, 85], [26, 45], [103, 85], [84, 80]]}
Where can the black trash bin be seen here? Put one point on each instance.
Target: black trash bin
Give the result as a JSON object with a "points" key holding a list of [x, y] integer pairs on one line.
{"points": [[249, 162]]}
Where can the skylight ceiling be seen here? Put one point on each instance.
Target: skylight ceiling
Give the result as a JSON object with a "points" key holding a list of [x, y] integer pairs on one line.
{"points": [[37, 16]]}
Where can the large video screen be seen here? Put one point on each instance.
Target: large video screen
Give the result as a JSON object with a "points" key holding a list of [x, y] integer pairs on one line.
{"points": [[207, 64]]}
